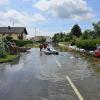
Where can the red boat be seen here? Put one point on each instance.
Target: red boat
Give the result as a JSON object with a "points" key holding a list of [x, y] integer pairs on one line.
{"points": [[97, 52]]}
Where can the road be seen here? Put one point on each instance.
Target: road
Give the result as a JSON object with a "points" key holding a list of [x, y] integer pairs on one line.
{"points": [[67, 76]]}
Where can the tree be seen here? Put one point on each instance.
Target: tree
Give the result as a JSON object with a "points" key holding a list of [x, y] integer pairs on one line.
{"points": [[42, 40], [62, 36], [68, 37], [76, 30], [88, 34], [59, 37], [56, 38], [96, 27]]}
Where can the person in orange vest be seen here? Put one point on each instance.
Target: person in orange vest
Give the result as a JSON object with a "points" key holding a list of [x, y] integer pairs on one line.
{"points": [[41, 47]]}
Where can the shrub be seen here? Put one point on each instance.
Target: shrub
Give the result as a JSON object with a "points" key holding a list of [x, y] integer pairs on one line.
{"points": [[9, 38], [3, 54], [22, 43], [88, 44], [42, 40], [2, 50]]}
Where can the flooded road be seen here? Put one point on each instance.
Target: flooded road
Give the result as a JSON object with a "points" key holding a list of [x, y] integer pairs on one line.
{"points": [[36, 77]]}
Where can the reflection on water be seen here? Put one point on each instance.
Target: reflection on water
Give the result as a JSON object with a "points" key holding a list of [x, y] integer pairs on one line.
{"points": [[73, 63], [93, 62], [15, 62], [41, 52], [6, 67]]}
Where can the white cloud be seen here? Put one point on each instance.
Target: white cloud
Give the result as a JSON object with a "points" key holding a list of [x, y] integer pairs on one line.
{"points": [[19, 18], [26, 0], [2, 2], [38, 17], [75, 9]]}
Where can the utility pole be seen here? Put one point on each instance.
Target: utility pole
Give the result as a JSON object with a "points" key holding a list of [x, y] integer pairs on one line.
{"points": [[35, 34], [13, 23], [35, 31]]}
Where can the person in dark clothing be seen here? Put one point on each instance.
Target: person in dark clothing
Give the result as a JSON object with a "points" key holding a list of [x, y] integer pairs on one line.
{"points": [[45, 46]]}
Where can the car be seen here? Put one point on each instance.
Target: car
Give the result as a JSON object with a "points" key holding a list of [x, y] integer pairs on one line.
{"points": [[97, 52], [49, 51]]}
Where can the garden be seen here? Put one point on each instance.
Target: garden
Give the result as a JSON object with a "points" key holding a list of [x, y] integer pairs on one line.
{"points": [[10, 49]]}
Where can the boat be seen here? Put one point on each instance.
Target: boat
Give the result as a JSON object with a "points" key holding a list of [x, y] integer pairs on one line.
{"points": [[49, 51], [97, 52]]}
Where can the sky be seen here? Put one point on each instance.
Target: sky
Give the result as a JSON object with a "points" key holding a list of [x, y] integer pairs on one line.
{"points": [[49, 16]]}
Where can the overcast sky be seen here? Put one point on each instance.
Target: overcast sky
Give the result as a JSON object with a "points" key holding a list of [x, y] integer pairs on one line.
{"points": [[49, 16]]}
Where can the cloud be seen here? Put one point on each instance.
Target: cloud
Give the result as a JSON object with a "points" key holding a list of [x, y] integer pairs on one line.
{"points": [[26, 0], [74, 9], [2, 2], [19, 18]]}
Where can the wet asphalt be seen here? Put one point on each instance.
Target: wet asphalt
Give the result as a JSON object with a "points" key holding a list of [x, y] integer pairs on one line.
{"points": [[38, 77]]}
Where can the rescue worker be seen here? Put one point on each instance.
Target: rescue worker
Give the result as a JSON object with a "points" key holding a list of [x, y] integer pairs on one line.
{"points": [[45, 45], [41, 47]]}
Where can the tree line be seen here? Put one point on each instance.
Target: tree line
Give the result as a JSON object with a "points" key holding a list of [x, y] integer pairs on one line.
{"points": [[76, 36]]}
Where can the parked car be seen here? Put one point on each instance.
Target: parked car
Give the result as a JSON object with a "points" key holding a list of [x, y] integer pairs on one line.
{"points": [[97, 52], [49, 51]]}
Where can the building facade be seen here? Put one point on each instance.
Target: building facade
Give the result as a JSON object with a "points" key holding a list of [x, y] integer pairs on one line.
{"points": [[39, 38], [17, 33]]}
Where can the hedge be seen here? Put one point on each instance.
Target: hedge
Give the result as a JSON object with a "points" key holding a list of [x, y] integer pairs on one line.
{"points": [[88, 44], [22, 43]]}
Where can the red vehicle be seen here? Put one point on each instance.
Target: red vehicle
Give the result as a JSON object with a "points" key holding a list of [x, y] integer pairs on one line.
{"points": [[97, 52]]}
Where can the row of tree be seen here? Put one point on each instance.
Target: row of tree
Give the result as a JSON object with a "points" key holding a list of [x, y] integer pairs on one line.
{"points": [[76, 32]]}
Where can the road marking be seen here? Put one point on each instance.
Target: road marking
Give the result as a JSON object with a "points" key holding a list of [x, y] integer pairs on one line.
{"points": [[70, 81], [57, 62], [74, 88]]}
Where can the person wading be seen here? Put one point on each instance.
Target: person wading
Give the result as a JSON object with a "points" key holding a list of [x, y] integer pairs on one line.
{"points": [[45, 46], [41, 47]]}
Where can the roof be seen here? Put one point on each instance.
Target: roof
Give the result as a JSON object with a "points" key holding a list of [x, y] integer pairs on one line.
{"points": [[13, 30]]}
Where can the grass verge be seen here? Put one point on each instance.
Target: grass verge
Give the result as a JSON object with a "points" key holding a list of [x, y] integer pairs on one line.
{"points": [[8, 58]]}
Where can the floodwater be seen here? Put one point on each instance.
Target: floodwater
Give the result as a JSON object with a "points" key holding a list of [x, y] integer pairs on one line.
{"points": [[35, 76]]}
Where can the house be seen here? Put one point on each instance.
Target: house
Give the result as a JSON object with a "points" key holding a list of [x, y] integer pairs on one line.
{"points": [[39, 38], [48, 39], [17, 33]]}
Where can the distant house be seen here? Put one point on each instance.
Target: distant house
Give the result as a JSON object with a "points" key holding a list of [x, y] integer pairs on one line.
{"points": [[17, 33], [48, 39], [39, 38]]}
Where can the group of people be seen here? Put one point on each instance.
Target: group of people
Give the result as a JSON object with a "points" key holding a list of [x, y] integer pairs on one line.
{"points": [[43, 46]]}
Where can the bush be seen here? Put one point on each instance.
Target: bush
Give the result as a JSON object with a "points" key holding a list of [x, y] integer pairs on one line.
{"points": [[3, 54], [9, 38], [42, 40], [88, 44], [22, 43], [2, 50]]}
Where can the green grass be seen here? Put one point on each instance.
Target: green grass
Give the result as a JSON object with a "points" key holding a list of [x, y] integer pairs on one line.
{"points": [[8, 58], [64, 43]]}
